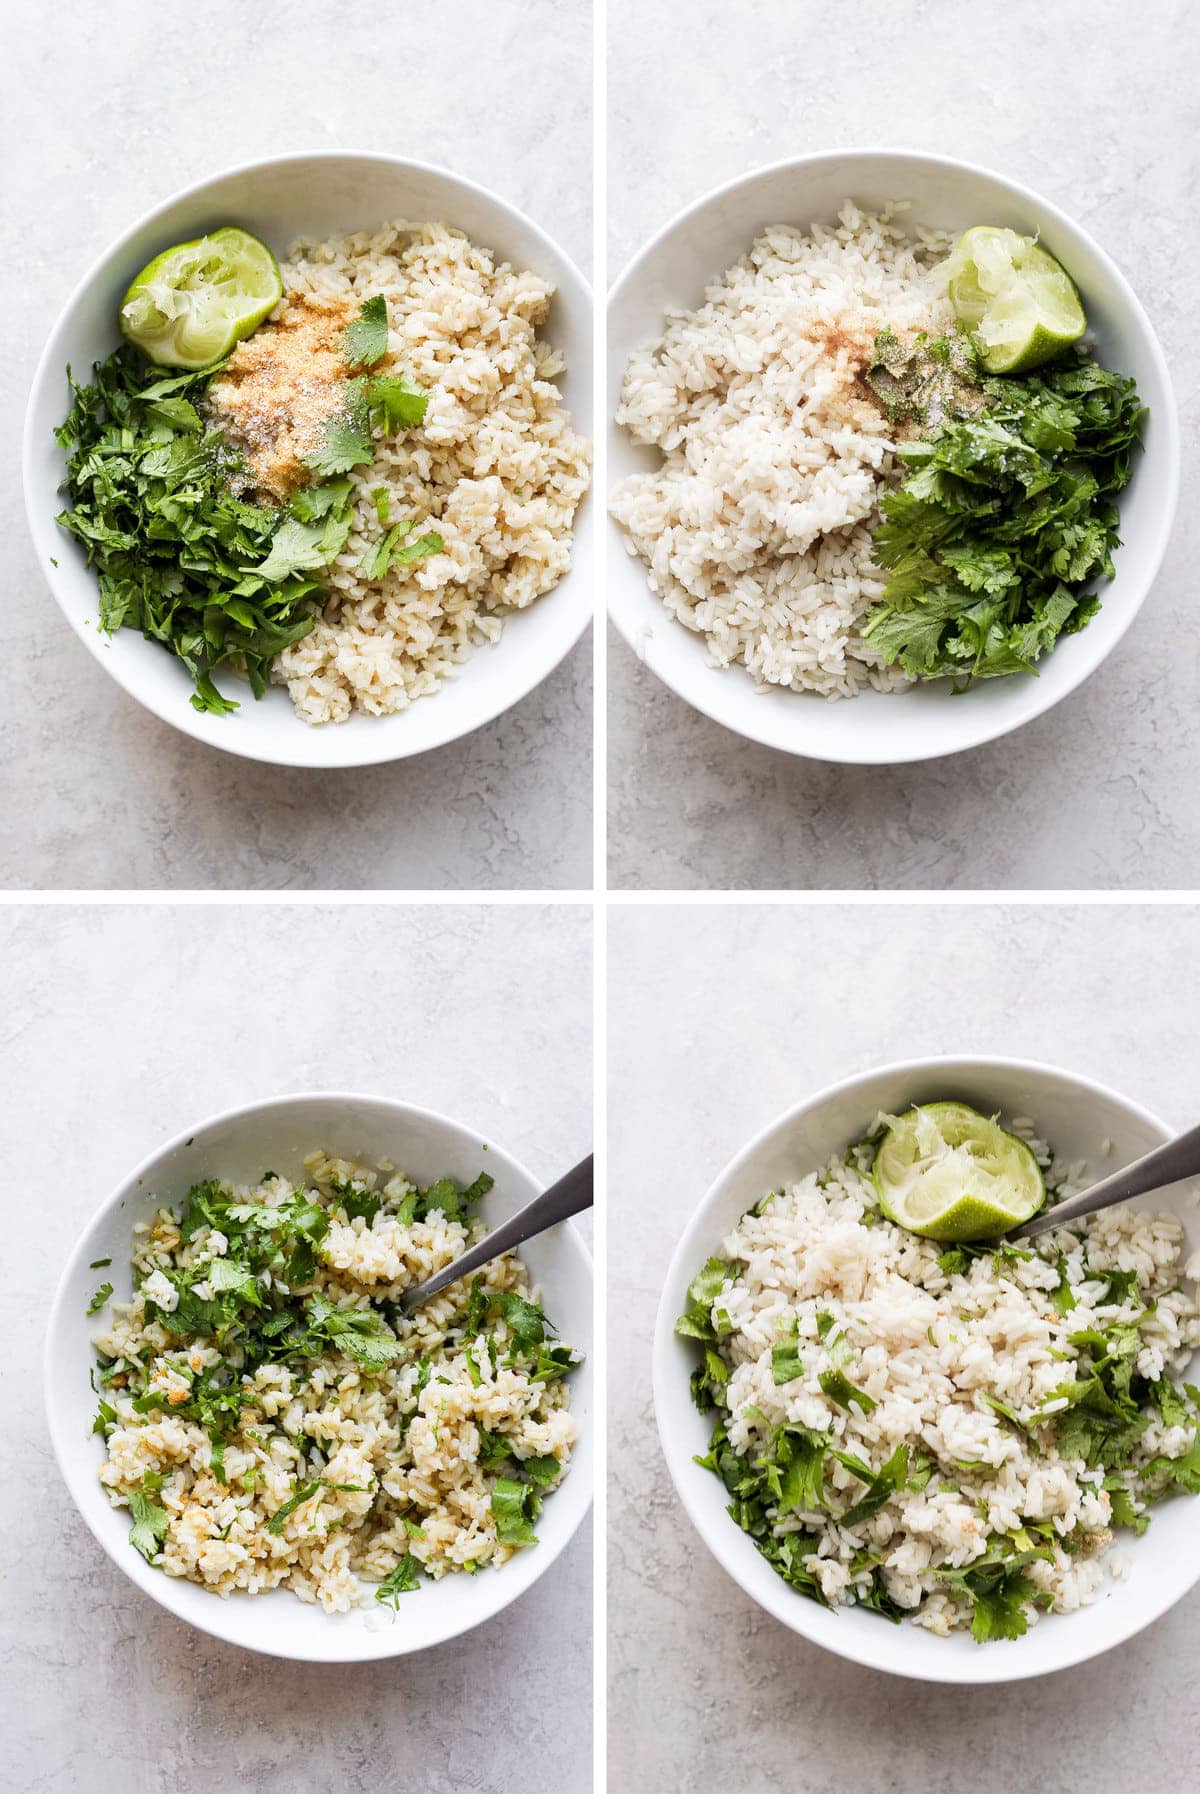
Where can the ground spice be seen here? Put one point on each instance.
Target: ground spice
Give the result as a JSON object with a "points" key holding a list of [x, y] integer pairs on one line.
{"points": [[278, 389]]}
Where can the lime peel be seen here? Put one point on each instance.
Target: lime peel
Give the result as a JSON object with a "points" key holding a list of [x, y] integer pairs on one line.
{"points": [[193, 302], [1019, 303], [948, 1173]]}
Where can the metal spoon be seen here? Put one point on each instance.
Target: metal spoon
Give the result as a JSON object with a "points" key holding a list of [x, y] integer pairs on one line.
{"points": [[569, 1196], [1167, 1164]]}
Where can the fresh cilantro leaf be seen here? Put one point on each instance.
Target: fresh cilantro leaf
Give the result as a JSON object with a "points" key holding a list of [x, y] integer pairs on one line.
{"points": [[357, 1202], [346, 440], [149, 1527], [1179, 1473], [1008, 1413], [1063, 1296], [394, 403], [228, 1276], [365, 341], [891, 1477], [785, 1358], [999, 1589], [98, 1264], [553, 1362], [494, 1450], [295, 547], [361, 1333], [1123, 1511], [709, 1380], [305, 1493], [696, 1320], [539, 1470], [402, 1579], [100, 1298], [393, 550], [515, 1507], [106, 1419], [839, 1389]]}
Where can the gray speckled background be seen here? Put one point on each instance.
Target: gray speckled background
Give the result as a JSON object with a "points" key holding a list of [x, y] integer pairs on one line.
{"points": [[109, 109], [124, 1025], [720, 1018], [1093, 104]]}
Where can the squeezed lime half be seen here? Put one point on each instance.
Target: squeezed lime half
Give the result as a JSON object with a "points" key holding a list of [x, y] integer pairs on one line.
{"points": [[192, 303], [947, 1172], [1020, 304]]}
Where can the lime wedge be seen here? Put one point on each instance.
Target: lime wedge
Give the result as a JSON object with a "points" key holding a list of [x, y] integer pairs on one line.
{"points": [[192, 303], [1021, 305], [949, 1173]]}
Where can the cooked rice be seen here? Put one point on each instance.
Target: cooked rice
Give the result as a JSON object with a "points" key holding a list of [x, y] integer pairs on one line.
{"points": [[414, 1455], [757, 526], [495, 469], [928, 1348]]}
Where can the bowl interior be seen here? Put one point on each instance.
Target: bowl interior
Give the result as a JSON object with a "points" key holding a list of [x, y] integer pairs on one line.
{"points": [[1075, 1116], [280, 201], [242, 1146], [878, 728]]}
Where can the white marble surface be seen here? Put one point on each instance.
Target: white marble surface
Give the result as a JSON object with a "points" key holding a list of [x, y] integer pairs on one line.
{"points": [[108, 109], [1093, 104], [719, 1018], [124, 1024]]}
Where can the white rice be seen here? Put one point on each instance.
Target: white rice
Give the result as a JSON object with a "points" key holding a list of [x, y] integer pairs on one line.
{"points": [[928, 1349], [756, 528]]}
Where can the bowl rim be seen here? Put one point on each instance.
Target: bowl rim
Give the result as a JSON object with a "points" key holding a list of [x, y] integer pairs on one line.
{"points": [[1167, 424], [372, 752], [391, 1642], [666, 1394]]}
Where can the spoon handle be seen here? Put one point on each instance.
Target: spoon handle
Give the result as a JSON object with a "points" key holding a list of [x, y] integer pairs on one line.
{"points": [[569, 1196], [1167, 1164]]}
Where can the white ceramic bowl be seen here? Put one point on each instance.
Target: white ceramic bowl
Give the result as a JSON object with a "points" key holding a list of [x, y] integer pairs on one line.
{"points": [[241, 1144], [1076, 1116], [878, 728], [288, 197]]}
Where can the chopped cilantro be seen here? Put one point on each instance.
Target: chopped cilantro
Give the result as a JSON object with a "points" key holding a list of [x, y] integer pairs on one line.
{"points": [[1062, 1295], [98, 1264], [998, 1587], [785, 1358], [357, 1203], [305, 1493], [100, 1298], [553, 1361], [540, 1470], [177, 555], [891, 1477], [393, 550], [1003, 522], [843, 1392], [402, 1579], [515, 1507]]}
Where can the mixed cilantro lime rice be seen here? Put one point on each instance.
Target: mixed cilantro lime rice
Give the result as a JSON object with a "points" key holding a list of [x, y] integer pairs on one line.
{"points": [[948, 1437], [271, 1419]]}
